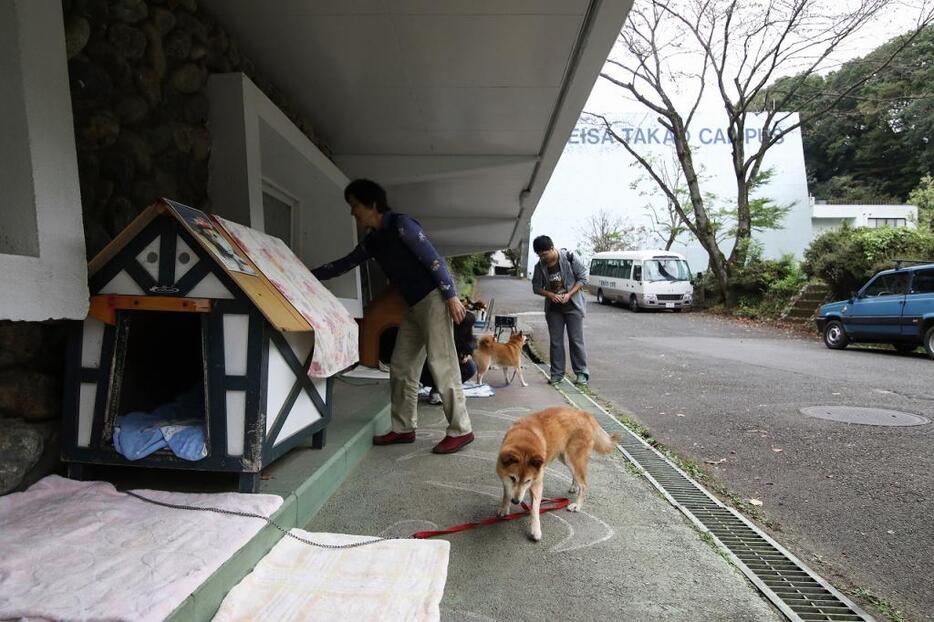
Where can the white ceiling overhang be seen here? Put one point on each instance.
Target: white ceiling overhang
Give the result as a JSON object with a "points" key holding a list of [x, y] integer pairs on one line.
{"points": [[460, 108]]}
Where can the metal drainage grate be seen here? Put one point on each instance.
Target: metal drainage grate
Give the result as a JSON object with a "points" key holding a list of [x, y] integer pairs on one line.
{"points": [[798, 592], [790, 585]]}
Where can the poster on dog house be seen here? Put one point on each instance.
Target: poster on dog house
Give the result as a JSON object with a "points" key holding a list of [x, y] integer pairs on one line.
{"points": [[208, 346]]}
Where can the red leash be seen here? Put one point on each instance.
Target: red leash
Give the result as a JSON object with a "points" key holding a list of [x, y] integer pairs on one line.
{"points": [[548, 505]]}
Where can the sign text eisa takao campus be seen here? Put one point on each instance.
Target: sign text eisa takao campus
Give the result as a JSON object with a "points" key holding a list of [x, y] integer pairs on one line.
{"points": [[657, 135]]}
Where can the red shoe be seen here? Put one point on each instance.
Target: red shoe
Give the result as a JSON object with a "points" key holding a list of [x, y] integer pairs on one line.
{"points": [[450, 444], [394, 438]]}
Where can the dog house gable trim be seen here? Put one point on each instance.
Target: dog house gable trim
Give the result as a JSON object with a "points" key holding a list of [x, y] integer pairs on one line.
{"points": [[129, 270], [119, 267]]}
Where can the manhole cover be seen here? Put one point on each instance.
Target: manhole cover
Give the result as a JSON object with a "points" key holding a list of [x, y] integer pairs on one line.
{"points": [[864, 416]]}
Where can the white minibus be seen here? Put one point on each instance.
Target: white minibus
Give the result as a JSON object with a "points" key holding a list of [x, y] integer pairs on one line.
{"points": [[641, 279]]}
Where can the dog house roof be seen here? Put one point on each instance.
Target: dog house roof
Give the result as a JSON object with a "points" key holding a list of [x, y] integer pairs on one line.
{"points": [[267, 272]]}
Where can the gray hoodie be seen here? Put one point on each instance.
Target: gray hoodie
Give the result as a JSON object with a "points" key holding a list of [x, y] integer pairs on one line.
{"points": [[573, 271]]}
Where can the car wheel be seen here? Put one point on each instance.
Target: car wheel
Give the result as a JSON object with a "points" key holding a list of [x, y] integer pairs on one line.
{"points": [[904, 348], [834, 336], [634, 304], [601, 298], [929, 341]]}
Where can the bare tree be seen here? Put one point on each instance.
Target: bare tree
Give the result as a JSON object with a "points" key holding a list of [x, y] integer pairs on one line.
{"points": [[667, 225], [737, 48], [605, 231]]}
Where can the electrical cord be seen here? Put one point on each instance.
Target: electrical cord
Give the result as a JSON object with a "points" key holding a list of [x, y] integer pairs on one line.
{"points": [[287, 532]]}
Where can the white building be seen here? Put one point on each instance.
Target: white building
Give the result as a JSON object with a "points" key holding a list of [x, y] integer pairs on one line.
{"points": [[595, 172], [833, 216]]}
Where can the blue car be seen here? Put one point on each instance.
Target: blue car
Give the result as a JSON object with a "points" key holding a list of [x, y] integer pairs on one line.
{"points": [[895, 306]]}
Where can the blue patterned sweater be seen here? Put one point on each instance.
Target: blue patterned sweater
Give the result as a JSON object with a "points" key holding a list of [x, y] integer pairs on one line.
{"points": [[404, 253]]}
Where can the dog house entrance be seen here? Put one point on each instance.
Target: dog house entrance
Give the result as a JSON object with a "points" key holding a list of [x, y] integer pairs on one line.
{"points": [[158, 370]]}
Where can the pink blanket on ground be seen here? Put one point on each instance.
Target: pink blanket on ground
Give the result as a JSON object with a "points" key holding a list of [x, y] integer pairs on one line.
{"points": [[85, 551]]}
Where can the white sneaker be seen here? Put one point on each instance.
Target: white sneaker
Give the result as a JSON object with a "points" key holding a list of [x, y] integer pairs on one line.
{"points": [[434, 398]]}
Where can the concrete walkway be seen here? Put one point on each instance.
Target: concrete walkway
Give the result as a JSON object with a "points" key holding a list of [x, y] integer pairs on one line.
{"points": [[628, 556]]}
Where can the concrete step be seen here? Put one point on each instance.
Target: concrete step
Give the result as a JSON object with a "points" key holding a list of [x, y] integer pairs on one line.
{"points": [[800, 314]]}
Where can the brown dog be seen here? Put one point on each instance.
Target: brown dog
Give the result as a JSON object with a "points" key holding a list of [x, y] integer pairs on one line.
{"points": [[533, 442], [503, 354]]}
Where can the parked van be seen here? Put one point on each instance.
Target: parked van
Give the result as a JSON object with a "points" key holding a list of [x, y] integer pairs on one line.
{"points": [[642, 279]]}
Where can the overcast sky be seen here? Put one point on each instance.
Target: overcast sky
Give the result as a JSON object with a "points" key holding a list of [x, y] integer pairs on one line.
{"points": [[899, 18]]}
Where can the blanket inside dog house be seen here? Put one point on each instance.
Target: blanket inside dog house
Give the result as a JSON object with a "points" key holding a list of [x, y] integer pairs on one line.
{"points": [[208, 346]]}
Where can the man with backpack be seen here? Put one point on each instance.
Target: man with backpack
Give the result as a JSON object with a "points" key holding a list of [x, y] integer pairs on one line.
{"points": [[560, 277], [402, 250]]}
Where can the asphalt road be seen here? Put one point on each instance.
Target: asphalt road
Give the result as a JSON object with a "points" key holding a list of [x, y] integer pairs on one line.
{"points": [[855, 502]]}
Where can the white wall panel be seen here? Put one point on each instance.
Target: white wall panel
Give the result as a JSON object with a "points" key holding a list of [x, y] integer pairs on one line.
{"points": [[149, 257], [210, 287], [122, 284], [302, 415], [86, 402], [92, 338], [236, 339], [184, 258], [236, 416], [280, 382]]}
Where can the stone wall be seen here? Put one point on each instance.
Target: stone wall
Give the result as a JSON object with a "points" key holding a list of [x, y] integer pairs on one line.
{"points": [[137, 70]]}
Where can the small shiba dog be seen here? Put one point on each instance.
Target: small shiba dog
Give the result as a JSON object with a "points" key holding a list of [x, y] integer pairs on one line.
{"points": [[504, 355], [533, 442]]}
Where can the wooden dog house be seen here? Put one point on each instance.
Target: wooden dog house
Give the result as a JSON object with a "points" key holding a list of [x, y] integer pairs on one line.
{"points": [[182, 299]]}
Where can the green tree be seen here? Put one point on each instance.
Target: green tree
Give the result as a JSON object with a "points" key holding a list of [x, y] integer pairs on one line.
{"points": [[923, 197], [764, 213], [514, 256], [874, 144], [847, 189], [847, 257]]}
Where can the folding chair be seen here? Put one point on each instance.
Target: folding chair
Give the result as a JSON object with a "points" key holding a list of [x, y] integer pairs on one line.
{"points": [[503, 322], [484, 322]]}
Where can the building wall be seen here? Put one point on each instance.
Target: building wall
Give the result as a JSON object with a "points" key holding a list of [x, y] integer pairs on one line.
{"points": [[595, 172], [826, 217], [41, 244], [137, 73]]}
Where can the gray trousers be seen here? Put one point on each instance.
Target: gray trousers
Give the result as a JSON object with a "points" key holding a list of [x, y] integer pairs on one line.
{"points": [[426, 331], [571, 318]]}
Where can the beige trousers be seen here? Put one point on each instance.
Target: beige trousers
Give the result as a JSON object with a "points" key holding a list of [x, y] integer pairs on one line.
{"points": [[426, 331]]}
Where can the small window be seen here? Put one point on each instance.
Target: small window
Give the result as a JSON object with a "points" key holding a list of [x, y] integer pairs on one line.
{"points": [[895, 284], [923, 282], [627, 268], [277, 216], [594, 267], [637, 272], [887, 222]]}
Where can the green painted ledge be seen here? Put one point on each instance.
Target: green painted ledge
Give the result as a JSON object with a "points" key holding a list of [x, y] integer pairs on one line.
{"points": [[305, 479]]}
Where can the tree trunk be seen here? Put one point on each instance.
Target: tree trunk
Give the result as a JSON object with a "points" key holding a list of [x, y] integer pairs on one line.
{"points": [[671, 240], [704, 231], [743, 224]]}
